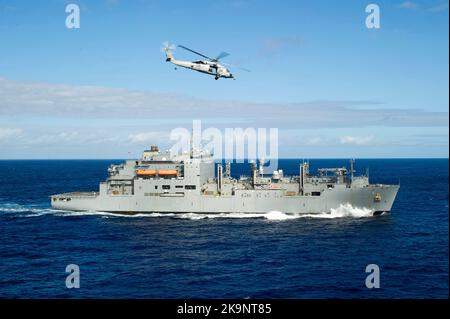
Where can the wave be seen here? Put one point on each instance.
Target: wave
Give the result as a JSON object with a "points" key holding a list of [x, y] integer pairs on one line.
{"points": [[343, 211], [24, 211]]}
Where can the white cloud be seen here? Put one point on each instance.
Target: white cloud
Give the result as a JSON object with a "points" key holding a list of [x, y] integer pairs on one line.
{"points": [[6, 132], [54, 137], [439, 7], [408, 5], [356, 140], [238, 4], [411, 5], [147, 137], [75, 103], [314, 140], [272, 45], [112, 2]]}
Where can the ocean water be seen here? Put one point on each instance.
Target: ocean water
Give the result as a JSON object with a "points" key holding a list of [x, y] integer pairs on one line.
{"points": [[269, 255]]}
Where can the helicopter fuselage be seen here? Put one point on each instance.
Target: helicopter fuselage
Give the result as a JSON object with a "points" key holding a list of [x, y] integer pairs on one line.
{"points": [[208, 67]]}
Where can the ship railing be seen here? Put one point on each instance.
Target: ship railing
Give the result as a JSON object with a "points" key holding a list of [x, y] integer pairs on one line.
{"points": [[77, 194]]}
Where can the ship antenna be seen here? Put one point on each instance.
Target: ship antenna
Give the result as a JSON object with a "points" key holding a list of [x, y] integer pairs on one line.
{"points": [[352, 162], [191, 151]]}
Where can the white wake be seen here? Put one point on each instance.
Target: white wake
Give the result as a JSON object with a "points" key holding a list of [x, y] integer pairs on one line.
{"points": [[343, 211]]}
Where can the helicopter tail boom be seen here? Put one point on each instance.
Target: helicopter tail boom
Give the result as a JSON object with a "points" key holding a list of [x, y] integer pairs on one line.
{"points": [[169, 55]]}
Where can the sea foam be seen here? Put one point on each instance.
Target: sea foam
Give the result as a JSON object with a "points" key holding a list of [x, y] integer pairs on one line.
{"points": [[343, 211]]}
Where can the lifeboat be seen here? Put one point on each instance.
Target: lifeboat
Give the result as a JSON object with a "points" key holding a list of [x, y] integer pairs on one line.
{"points": [[141, 172], [167, 173]]}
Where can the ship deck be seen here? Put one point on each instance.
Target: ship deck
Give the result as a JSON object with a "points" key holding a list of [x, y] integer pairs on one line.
{"points": [[76, 194]]}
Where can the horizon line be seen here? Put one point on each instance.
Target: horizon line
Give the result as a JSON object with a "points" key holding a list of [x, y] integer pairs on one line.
{"points": [[245, 159]]}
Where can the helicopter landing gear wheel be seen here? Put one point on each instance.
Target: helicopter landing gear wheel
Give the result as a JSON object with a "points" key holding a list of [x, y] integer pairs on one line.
{"points": [[216, 78]]}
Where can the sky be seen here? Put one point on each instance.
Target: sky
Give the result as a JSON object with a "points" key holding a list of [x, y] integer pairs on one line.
{"points": [[331, 86]]}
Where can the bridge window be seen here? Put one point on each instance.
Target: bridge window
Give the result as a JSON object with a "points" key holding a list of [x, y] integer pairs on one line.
{"points": [[166, 187], [315, 193], [178, 186], [190, 187]]}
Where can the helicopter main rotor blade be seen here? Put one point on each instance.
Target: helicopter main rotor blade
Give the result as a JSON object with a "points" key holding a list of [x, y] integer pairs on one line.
{"points": [[221, 56], [183, 47], [235, 66]]}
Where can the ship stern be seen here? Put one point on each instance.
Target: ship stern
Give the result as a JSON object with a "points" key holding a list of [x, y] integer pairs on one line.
{"points": [[77, 201]]}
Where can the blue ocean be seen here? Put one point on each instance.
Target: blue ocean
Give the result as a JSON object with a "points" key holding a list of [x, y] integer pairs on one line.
{"points": [[193, 256]]}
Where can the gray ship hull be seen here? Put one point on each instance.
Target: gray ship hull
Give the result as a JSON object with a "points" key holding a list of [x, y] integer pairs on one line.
{"points": [[246, 201]]}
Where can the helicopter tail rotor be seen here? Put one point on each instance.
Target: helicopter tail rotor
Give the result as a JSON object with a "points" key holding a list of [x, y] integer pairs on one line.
{"points": [[167, 48]]}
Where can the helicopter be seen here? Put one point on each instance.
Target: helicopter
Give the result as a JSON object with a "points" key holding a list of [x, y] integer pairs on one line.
{"points": [[209, 66]]}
